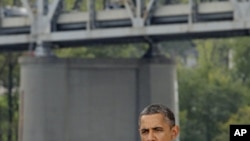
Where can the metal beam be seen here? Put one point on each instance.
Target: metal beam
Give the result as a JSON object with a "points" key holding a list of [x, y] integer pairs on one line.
{"points": [[159, 30], [139, 8], [135, 12], [40, 7], [130, 9], [170, 22], [91, 14], [15, 39], [149, 11], [27, 6], [177, 31], [193, 11], [115, 15], [241, 9], [53, 9]]}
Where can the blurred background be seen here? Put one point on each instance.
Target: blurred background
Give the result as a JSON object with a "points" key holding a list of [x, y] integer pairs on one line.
{"points": [[213, 77]]}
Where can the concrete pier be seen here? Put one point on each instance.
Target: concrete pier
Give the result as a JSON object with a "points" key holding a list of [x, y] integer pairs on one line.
{"points": [[90, 99]]}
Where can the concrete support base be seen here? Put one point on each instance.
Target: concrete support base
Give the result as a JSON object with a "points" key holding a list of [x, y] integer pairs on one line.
{"points": [[95, 99]]}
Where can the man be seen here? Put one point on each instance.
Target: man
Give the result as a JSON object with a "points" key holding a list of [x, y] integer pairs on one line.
{"points": [[157, 123]]}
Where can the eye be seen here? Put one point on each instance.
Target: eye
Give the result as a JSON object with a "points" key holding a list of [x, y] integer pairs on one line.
{"points": [[144, 131], [158, 129]]}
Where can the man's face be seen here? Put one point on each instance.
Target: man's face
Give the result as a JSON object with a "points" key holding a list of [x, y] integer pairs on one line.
{"points": [[155, 128]]}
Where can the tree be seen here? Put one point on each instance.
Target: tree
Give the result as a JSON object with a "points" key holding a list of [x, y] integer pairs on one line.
{"points": [[9, 76], [208, 94], [241, 51], [241, 117], [108, 51]]}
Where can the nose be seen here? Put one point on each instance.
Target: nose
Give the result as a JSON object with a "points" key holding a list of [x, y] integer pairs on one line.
{"points": [[151, 136]]}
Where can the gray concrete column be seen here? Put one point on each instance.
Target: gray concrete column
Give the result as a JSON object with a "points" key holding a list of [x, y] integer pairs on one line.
{"points": [[157, 84], [77, 99], [158, 81], [44, 94], [90, 99]]}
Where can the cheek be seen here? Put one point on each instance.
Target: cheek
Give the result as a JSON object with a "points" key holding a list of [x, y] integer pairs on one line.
{"points": [[143, 136], [164, 136]]}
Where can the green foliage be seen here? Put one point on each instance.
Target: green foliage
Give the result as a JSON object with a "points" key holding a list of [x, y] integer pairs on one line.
{"points": [[241, 117], [10, 2], [207, 102], [5, 2], [4, 116], [241, 53], [5, 60], [213, 53], [175, 49], [68, 4], [208, 93], [121, 51], [4, 68]]}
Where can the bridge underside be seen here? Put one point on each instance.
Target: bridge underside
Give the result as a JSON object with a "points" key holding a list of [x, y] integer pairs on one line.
{"points": [[128, 39], [111, 26]]}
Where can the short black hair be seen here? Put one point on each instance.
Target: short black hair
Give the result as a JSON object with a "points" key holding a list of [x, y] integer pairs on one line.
{"points": [[159, 109]]}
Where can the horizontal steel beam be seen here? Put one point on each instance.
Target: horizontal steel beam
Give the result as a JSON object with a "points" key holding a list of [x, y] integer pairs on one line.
{"points": [[129, 34], [123, 14], [168, 22]]}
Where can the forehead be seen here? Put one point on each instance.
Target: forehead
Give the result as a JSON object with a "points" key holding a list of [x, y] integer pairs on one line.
{"points": [[152, 120]]}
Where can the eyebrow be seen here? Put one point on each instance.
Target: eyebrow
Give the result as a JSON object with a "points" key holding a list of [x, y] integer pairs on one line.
{"points": [[157, 128], [154, 128]]}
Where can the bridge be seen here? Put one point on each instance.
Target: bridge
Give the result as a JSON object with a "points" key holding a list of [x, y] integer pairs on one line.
{"points": [[136, 21], [108, 85]]}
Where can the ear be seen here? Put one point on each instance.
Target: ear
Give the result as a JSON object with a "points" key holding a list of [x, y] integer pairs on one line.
{"points": [[175, 131]]}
